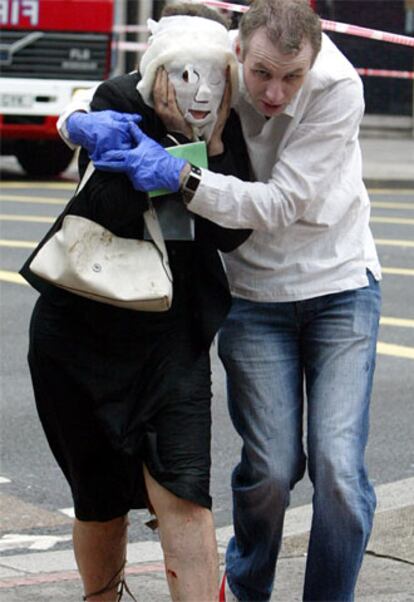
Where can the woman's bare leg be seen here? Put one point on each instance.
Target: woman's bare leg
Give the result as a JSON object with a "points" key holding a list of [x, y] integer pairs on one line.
{"points": [[189, 544], [100, 552]]}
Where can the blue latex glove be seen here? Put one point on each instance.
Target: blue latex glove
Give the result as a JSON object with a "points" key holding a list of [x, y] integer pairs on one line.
{"points": [[149, 166], [101, 131]]}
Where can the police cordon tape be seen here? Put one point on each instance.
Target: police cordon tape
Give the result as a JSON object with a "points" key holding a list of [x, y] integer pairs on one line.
{"points": [[385, 73], [130, 28], [353, 30], [345, 28], [141, 47], [334, 26]]}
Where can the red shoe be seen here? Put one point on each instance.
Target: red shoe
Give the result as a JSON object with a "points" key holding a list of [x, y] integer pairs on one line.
{"points": [[222, 592], [225, 593]]}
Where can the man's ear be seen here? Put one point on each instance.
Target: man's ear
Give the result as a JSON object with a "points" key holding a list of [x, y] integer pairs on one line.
{"points": [[238, 50]]}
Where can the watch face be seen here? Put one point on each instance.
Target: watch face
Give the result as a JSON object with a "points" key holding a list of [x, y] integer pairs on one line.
{"points": [[192, 183]]}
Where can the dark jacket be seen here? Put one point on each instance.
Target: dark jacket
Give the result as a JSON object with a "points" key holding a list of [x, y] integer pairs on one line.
{"points": [[110, 200]]}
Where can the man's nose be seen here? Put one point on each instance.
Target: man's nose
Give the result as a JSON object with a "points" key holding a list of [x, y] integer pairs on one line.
{"points": [[203, 93], [275, 93]]}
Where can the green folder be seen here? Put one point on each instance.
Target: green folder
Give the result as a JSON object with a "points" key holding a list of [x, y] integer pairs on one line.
{"points": [[194, 152]]}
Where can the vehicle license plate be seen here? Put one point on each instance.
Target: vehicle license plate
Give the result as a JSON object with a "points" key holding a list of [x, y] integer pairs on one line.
{"points": [[16, 101]]}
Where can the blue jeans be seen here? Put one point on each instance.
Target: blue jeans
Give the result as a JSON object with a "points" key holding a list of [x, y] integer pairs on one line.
{"points": [[276, 355]]}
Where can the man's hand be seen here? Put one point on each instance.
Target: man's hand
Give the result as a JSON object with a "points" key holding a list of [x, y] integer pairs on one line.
{"points": [[166, 107], [215, 144], [101, 131], [149, 166]]}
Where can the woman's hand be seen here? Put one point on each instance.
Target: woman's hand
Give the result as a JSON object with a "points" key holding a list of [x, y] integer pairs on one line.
{"points": [[166, 107], [215, 145]]}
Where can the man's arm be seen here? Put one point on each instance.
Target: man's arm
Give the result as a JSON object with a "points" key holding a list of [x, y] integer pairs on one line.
{"points": [[308, 168], [81, 103]]}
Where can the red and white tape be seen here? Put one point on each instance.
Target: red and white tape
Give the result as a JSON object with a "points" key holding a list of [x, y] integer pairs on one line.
{"points": [[130, 28], [130, 46], [385, 73], [141, 47], [365, 32], [353, 30]]}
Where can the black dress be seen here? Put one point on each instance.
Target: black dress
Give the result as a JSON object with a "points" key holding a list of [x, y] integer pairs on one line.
{"points": [[117, 388]]}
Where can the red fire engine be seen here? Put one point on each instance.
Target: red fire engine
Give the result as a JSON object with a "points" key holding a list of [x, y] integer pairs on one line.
{"points": [[49, 50]]}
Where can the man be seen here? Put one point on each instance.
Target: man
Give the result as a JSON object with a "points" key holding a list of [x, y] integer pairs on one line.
{"points": [[306, 300]]}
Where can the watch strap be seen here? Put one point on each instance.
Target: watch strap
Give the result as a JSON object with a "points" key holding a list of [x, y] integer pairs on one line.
{"points": [[190, 183]]}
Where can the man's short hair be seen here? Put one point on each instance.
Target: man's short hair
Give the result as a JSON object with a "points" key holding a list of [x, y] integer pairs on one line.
{"points": [[288, 23], [188, 9]]}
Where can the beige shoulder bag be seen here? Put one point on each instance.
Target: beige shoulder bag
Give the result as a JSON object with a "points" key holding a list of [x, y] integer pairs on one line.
{"points": [[88, 260]]}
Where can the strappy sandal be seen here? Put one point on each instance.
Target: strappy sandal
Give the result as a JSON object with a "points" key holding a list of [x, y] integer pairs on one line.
{"points": [[121, 586]]}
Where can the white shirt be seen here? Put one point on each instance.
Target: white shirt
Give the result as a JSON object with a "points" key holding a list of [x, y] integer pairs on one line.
{"points": [[80, 102], [308, 204]]}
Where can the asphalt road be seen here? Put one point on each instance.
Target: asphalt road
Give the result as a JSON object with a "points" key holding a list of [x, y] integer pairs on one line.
{"points": [[31, 486]]}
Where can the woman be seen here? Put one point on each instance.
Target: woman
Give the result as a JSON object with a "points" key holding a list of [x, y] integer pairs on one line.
{"points": [[124, 397]]}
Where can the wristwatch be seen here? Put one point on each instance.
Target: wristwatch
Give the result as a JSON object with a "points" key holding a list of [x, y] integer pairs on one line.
{"points": [[191, 183]]}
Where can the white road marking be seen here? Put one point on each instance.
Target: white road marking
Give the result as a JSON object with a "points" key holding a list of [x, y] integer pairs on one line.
{"points": [[393, 243], [68, 511], [14, 541], [395, 350], [20, 198], [404, 221], [38, 219], [391, 496]]}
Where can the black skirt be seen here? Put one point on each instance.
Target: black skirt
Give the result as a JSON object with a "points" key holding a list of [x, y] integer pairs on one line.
{"points": [[116, 388]]}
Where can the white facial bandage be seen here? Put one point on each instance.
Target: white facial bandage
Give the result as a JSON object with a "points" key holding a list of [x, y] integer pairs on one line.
{"points": [[195, 52]]}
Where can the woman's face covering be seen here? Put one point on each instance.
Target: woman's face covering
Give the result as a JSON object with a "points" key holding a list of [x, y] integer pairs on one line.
{"points": [[199, 88]]}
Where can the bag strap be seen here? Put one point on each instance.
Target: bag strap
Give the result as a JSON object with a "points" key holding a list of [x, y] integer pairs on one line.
{"points": [[150, 218], [154, 230], [86, 176]]}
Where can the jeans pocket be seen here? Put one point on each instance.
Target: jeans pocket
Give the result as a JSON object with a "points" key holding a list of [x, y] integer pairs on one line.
{"points": [[367, 308]]}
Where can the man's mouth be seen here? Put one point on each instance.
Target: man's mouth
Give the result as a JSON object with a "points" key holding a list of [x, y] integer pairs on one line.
{"points": [[270, 108], [199, 115]]}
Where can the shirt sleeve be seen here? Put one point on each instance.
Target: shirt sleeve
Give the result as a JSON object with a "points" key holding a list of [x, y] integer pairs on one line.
{"points": [[80, 103], [307, 168]]}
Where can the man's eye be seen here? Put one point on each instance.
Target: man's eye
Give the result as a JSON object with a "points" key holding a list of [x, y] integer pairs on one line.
{"points": [[291, 77], [261, 73]]}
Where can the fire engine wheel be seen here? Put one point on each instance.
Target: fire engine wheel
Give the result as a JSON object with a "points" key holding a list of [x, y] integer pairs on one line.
{"points": [[44, 158]]}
